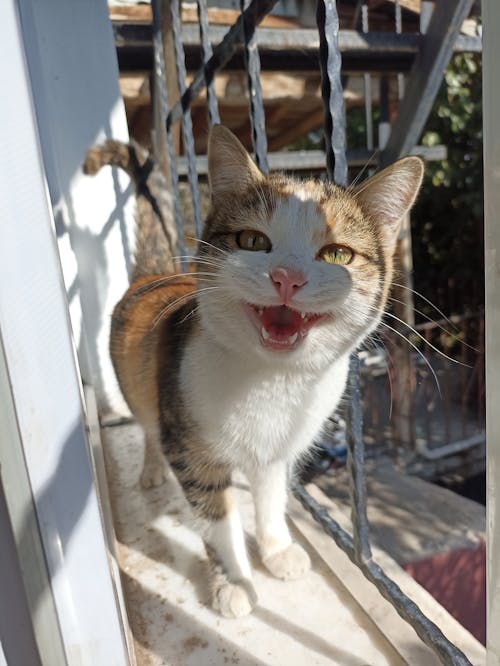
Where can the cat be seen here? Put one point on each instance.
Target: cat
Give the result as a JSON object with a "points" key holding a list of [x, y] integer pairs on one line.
{"points": [[237, 364]]}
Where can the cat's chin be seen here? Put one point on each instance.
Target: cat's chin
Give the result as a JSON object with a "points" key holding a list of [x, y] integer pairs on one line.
{"points": [[280, 327]]}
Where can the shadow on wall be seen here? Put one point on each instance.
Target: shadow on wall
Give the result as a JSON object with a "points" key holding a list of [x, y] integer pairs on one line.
{"points": [[73, 69], [72, 470]]}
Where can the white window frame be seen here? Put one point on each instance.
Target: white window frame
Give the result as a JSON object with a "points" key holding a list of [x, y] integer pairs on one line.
{"points": [[491, 125], [44, 380]]}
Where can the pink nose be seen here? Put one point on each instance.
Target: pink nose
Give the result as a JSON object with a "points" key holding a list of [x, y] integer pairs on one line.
{"points": [[287, 281]]}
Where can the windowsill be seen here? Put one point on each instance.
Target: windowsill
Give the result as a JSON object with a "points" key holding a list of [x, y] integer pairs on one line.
{"points": [[316, 620]]}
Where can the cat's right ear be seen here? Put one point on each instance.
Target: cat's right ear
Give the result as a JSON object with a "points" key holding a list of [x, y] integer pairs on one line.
{"points": [[388, 195], [231, 170]]}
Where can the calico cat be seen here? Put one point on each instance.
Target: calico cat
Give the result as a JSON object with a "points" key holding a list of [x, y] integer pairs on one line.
{"points": [[237, 364]]}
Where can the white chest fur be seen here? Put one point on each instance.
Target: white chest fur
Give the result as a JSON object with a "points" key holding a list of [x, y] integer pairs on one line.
{"points": [[252, 413]]}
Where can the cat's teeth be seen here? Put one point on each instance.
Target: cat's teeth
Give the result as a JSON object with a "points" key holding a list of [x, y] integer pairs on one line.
{"points": [[303, 315], [293, 338], [264, 333]]}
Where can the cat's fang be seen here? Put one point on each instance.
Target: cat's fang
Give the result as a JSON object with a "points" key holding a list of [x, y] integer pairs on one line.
{"points": [[264, 333], [293, 338]]}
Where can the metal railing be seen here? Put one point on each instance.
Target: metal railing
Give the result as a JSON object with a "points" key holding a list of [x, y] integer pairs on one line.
{"points": [[447, 389], [243, 35]]}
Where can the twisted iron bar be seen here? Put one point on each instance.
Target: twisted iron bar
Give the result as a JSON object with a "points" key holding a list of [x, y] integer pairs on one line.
{"points": [[427, 631], [187, 125], [163, 109], [358, 547], [256, 101], [333, 99], [212, 107], [233, 39], [356, 466]]}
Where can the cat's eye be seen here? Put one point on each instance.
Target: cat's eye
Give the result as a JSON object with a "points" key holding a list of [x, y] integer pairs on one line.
{"points": [[336, 254], [254, 241]]}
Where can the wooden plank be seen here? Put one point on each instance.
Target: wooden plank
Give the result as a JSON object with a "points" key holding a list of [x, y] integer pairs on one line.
{"points": [[308, 124], [426, 76], [410, 5], [309, 160], [216, 16]]}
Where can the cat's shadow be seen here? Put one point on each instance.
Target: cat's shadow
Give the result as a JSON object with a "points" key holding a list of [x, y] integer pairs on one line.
{"points": [[180, 635], [169, 551], [173, 554]]}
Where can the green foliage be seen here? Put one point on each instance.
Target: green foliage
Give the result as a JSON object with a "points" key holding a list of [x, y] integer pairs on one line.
{"points": [[447, 221]]}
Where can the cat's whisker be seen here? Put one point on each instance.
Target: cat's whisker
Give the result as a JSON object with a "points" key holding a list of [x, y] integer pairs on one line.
{"points": [[208, 261], [417, 293], [356, 180], [164, 311], [455, 335], [388, 364], [184, 297], [425, 359], [429, 344], [190, 314], [161, 281], [266, 205], [204, 242]]}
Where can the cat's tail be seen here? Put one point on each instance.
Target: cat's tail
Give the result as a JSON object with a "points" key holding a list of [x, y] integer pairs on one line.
{"points": [[156, 234]]}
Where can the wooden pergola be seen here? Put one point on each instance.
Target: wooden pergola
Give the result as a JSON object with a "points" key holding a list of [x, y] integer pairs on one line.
{"points": [[379, 38]]}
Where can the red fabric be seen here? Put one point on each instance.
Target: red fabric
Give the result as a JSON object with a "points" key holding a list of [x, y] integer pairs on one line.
{"points": [[458, 581]]}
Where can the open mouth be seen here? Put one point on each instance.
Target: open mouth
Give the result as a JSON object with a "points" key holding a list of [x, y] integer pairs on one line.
{"points": [[282, 328]]}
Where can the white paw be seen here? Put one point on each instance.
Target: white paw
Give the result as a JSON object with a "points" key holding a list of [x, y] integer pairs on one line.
{"points": [[293, 562], [153, 475], [235, 599]]}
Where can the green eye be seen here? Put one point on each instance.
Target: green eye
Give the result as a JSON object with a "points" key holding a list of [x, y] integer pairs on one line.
{"points": [[253, 241], [336, 254]]}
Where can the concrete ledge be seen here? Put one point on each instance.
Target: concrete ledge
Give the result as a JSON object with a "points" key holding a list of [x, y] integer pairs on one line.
{"points": [[400, 634], [436, 535], [332, 616]]}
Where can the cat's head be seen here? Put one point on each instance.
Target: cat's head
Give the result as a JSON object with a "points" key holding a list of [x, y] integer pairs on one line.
{"points": [[297, 270]]}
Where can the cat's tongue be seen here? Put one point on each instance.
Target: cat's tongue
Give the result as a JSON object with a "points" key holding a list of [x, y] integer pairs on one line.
{"points": [[282, 328]]}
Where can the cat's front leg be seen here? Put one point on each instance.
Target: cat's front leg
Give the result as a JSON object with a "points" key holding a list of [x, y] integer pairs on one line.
{"points": [[211, 497], [284, 558]]}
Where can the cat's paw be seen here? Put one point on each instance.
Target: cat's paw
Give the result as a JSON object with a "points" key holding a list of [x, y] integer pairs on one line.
{"points": [[292, 562], [234, 599], [153, 475]]}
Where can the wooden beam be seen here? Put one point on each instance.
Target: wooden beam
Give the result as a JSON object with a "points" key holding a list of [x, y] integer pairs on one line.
{"points": [[310, 160], [310, 123], [410, 5], [426, 76], [216, 16]]}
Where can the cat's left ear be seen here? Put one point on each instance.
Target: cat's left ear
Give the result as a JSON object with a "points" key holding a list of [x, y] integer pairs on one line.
{"points": [[231, 170], [387, 196]]}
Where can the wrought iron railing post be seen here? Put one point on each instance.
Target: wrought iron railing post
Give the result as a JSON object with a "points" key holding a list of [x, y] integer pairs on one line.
{"points": [[256, 102], [331, 86], [356, 466], [163, 110], [358, 547], [187, 125], [206, 47]]}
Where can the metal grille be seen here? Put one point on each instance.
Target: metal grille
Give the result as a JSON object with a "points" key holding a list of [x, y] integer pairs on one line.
{"points": [[242, 35]]}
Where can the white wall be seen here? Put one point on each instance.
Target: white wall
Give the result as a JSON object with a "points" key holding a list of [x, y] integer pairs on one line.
{"points": [[69, 45], [74, 73]]}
